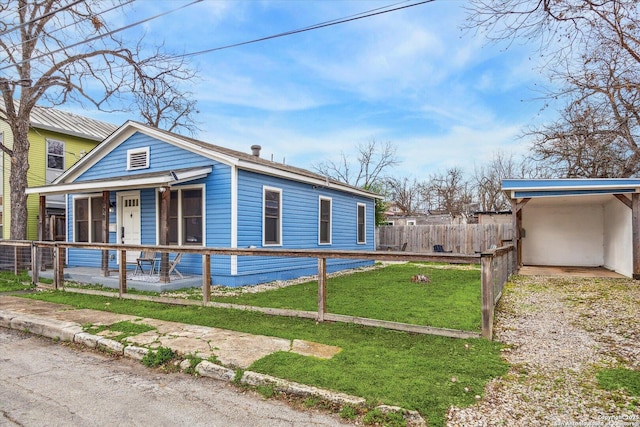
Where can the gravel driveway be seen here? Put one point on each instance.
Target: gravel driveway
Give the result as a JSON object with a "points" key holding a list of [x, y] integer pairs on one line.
{"points": [[558, 333]]}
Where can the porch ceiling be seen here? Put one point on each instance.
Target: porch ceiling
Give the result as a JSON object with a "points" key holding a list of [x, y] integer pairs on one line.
{"points": [[583, 200]]}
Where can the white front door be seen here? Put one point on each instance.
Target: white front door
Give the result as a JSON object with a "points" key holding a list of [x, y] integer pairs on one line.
{"points": [[129, 211]]}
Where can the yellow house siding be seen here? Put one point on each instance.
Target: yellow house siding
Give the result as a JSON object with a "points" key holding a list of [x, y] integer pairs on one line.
{"points": [[73, 147], [6, 168]]}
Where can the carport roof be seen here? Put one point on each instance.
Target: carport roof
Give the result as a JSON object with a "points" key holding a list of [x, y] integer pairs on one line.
{"points": [[531, 188]]}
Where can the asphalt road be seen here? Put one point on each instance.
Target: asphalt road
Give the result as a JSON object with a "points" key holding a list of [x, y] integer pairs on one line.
{"points": [[43, 383]]}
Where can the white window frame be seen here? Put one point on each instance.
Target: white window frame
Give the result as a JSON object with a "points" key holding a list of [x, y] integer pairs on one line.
{"points": [[411, 222], [330, 230], [266, 189], [134, 151], [64, 160], [364, 223], [200, 187], [88, 197]]}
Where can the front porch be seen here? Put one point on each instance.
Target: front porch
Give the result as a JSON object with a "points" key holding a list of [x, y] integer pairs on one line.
{"points": [[139, 282]]}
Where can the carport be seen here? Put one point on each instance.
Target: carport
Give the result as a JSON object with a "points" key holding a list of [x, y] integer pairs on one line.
{"points": [[577, 222]]}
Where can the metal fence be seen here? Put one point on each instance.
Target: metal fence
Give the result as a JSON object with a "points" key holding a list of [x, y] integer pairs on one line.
{"points": [[496, 267]]}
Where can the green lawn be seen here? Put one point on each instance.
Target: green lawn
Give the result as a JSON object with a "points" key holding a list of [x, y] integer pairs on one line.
{"points": [[9, 282], [421, 372], [452, 298]]}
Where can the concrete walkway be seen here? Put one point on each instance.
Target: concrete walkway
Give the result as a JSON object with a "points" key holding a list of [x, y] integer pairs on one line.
{"points": [[232, 349]]}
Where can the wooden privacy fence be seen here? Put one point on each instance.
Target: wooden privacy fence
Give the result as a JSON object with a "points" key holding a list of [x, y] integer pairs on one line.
{"points": [[496, 267], [459, 238]]}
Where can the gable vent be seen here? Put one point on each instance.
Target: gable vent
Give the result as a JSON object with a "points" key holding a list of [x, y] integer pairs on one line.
{"points": [[138, 158]]}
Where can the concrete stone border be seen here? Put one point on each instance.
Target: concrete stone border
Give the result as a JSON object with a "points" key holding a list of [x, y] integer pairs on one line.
{"points": [[72, 332]]}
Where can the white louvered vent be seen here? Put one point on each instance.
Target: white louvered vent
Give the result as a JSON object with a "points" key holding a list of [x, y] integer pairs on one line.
{"points": [[138, 158]]}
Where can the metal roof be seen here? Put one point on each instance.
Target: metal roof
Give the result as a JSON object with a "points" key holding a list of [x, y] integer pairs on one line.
{"points": [[528, 188], [70, 124], [55, 120]]}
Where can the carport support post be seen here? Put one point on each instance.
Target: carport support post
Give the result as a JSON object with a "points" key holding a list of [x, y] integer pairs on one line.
{"points": [[486, 261], [322, 288], [635, 232]]}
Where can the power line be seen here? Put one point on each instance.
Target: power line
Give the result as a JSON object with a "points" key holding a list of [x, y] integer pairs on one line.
{"points": [[118, 6], [356, 17], [126, 27], [46, 15]]}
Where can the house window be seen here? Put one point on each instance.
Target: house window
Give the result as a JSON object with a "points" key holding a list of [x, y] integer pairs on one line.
{"points": [[138, 158], [87, 216], [362, 225], [325, 221], [55, 154], [185, 216], [411, 222], [272, 215]]}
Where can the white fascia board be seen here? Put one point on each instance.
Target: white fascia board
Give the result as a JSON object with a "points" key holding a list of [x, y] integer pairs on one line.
{"points": [[95, 155], [267, 170], [209, 153], [100, 185], [125, 132], [120, 183]]}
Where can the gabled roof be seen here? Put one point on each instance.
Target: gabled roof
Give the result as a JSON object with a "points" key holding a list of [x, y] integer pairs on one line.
{"points": [[530, 188], [221, 154], [52, 119]]}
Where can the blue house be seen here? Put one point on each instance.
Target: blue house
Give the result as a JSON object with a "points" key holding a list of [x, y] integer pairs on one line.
{"points": [[149, 182]]}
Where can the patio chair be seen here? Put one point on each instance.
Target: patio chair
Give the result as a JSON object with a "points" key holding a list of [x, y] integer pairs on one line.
{"points": [[173, 264], [146, 257], [439, 248]]}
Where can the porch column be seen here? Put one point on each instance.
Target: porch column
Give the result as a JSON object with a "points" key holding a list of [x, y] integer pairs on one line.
{"points": [[105, 232], [42, 215], [635, 233], [165, 200]]}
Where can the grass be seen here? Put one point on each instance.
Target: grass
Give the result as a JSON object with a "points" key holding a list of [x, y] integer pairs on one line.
{"points": [[9, 282], [120, 330], [452, 299], [620, 379], [419, 372]]}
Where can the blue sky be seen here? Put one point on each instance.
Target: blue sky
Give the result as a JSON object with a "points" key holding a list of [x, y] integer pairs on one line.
{"points": [[445, 98]]}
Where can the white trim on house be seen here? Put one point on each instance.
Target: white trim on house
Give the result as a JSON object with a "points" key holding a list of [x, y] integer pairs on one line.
{"points": [[122, 183], [219, 154], [358, 241], [330, 230], [280, 215], [234, 218]]}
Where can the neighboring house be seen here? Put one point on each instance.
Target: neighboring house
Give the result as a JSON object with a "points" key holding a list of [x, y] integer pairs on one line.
{"points": [[217, 197], [492, 217], [577, 222], [58, 139]]}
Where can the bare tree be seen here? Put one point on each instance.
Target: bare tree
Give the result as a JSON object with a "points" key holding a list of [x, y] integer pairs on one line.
{"points": [[404, 193], [374, 159], [487, 178], [592, 52], [583, 145], [165, 105], [448, 192], [60, 52]]}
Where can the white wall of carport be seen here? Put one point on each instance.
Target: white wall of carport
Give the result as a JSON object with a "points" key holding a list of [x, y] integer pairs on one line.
{"points": [[618, 242], [563, 234]]}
